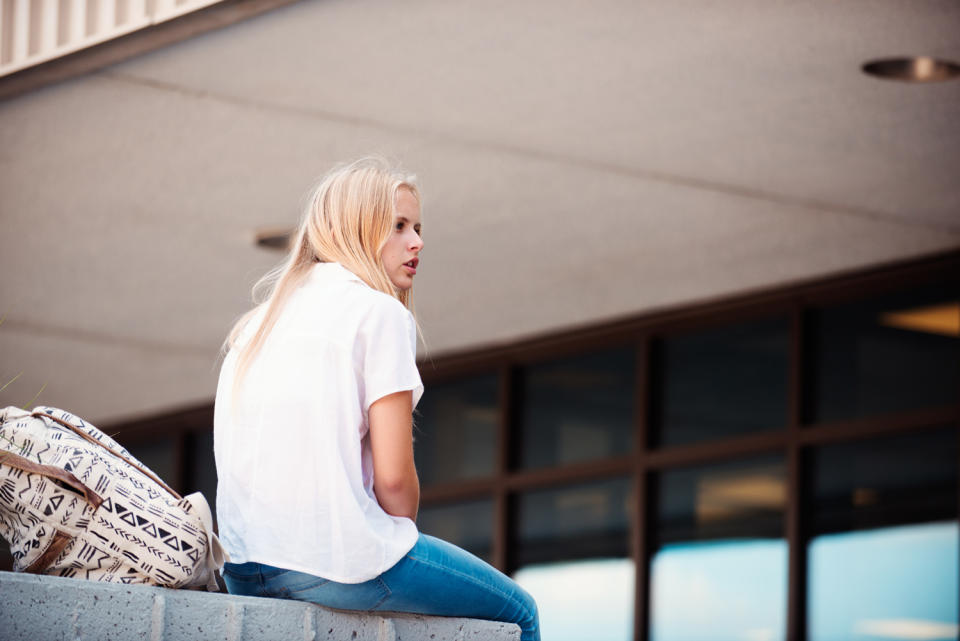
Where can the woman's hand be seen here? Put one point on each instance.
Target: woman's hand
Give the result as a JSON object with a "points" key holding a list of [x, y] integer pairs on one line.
{"points": [[395, 479]]}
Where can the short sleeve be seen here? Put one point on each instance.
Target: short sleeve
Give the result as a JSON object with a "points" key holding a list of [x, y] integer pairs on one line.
{"points": [[387, 353]]}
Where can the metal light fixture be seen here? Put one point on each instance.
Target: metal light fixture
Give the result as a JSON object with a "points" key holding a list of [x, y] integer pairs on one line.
{"points": [[918, 69], [274, 238]]}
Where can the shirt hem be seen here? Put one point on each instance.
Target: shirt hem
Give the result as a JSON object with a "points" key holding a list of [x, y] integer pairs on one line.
{"points": [[336, 578]]}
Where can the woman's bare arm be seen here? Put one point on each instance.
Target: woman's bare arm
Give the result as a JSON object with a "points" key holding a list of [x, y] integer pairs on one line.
{"points": [[395, 479]]}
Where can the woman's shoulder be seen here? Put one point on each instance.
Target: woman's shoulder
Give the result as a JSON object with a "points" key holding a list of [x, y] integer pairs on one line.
{"points": [[378, 306], [341, 288]]}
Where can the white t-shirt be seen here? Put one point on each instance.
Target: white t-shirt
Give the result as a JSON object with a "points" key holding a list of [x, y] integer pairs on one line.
{"points": [[293, 454]]}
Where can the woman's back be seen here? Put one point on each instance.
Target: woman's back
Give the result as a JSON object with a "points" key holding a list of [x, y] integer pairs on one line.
{"points": [[295, 472]]}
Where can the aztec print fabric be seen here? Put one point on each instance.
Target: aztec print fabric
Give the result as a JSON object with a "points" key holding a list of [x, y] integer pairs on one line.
{"points": [[74, 503]]}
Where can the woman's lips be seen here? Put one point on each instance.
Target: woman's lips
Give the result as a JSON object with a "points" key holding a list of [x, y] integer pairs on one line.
{"points": [[411, 266]]}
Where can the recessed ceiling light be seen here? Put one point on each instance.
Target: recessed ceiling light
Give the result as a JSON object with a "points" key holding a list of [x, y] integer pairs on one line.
{"points": [[274, 238], [919, 69], [943, 319]]}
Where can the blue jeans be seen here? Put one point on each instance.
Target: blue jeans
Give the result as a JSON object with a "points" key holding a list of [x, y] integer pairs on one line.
{"points": [[435, 578]]}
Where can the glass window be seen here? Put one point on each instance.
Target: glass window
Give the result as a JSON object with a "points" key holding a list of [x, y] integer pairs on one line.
{"points": [[719, 570], [571, 554], [456, 430], [201, 467], [577, 600], [721, 382], [908, 478], [579, 522], [890, 353], [159, 455], [888, 583], [883, 555], [576, 409], [468, 525]]}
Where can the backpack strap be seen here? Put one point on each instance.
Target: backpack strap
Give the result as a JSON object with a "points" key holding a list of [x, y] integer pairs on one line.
{"points": [[49, 555], [76, 430], [65, 477]]}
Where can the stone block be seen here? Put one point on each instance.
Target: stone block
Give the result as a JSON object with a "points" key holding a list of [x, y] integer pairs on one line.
{"points": [[45, 608]]}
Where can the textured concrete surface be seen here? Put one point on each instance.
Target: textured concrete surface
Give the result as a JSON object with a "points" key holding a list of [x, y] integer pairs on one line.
{"points": [[35, 608]]}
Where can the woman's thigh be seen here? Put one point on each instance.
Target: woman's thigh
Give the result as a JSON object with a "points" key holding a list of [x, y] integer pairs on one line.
{"points": [[435, 578], [258, 579], [439, 578]]}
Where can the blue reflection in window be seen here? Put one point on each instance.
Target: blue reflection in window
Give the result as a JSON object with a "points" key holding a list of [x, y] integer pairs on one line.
{"points": [[580, 600], [719, 590], [889, 583]]}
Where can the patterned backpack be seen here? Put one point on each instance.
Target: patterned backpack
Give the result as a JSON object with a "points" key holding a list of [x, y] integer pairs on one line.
{"points": [[74, 503]]}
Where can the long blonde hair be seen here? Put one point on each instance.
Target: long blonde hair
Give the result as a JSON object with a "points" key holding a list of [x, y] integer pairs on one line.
{"points": [[348, 218]]}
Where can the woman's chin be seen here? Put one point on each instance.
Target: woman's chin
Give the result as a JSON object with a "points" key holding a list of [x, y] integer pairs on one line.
{"points": [[402, 284]]}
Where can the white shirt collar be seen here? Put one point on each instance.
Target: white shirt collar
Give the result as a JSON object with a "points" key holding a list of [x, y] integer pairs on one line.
{"points": [[334, 272]]}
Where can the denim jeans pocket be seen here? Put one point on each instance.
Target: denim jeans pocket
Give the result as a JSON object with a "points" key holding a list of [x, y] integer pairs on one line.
{"points": [[364, 596], [303, 583], [241, 571], [243, 580]]}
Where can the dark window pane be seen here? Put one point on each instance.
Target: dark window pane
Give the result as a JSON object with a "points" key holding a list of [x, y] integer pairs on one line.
{"points": [[722, 382], [580, 522], [467, 525], [891, 353], [456, 430], [741, 499], [201, 468], [901, 479], [158, 455], [576, 409], [882, 561], [720, 566]]}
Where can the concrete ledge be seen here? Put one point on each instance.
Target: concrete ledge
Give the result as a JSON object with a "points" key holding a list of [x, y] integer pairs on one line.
{"points": [[42, 608]]}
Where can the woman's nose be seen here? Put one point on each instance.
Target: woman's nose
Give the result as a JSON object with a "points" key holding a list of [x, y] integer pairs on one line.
{"points": [[416, 244]]}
